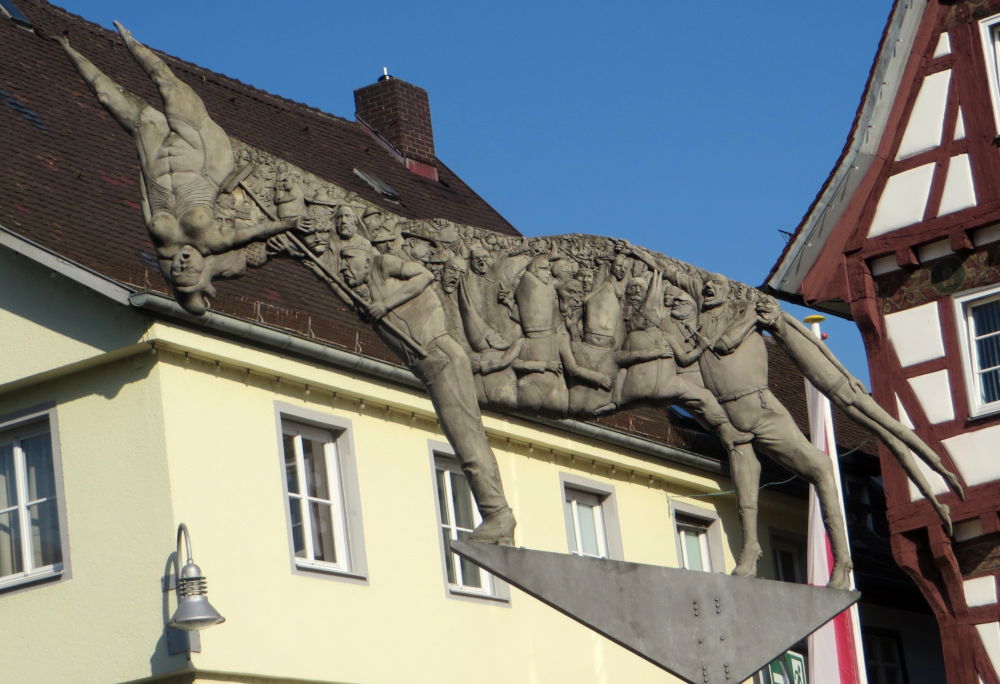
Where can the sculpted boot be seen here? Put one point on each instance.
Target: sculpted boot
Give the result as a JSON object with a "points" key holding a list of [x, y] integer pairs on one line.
{"points": [[496, 528]]}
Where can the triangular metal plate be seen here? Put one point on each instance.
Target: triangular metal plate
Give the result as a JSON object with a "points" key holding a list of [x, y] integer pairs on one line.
{"points": [[705, 628]]}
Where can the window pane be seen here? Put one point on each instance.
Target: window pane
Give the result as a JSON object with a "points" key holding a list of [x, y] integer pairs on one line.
{"points": [[449, 557], [44, 534], [988, 351], [322, 529], [317, 481], [464, 517], [986, 318], [10, 544], [291, 474], [692, 549], [570, 526], [38, 461], [442, 503], [588, 529], [298, 531], [990, 382], [8, 483]]}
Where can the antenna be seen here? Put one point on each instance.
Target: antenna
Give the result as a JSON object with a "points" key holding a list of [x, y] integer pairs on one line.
{"points": [[385, 74]]}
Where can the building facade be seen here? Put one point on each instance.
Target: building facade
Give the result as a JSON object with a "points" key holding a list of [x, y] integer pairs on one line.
{"points": [[307, 463], [903, 238]]}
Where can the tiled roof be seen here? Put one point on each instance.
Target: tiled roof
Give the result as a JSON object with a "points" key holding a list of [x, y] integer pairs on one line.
{"points": [[69, 181]]}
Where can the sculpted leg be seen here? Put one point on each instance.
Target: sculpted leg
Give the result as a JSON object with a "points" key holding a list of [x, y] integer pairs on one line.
{"points": [[186, 113], [905, 459], [867, 407], [447, 375], [745, 468]]}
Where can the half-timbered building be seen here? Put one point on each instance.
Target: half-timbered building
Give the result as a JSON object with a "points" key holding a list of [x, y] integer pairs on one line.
{"points": [[904, 238]]}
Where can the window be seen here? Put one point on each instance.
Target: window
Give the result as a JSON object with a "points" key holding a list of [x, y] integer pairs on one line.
{"points": [[585, 524], [321, 496], [788, 554], [979, 324], [693, 534], [458, 516], [591, 516], [30, 529], [990, 30], [883, 657], [699, 537]]}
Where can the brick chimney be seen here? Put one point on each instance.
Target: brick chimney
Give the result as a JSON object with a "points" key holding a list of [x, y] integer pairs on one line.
{"points": [[400, 114]]}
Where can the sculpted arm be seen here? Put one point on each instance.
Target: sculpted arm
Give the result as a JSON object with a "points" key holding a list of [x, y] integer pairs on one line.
{"points": [[219, 241], [783, 321], [732, 338], [415, 279]]}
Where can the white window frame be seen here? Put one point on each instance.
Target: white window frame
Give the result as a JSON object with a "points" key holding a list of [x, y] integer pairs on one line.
{"points": [[689, 526], [13, 429], [688, 515], [989, 30], [490, 588], [344, 502], [964, 303], [609, 539]]}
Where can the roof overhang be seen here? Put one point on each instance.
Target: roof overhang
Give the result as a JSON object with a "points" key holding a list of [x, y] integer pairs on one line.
{"points": [[812, 233]]}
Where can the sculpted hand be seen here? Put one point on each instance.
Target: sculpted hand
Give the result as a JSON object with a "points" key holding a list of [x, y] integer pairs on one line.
{"points": [[378, 309], [304, 224], [607, 383], [555, 366], [857, 385]]}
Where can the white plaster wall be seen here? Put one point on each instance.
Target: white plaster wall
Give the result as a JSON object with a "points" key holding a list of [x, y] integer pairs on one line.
{"points": [[903, 200], [923, 130], [959, 190], [975, 454], [934, 394], [943, 45], [990, 634], [980, 591], [915, 334], [104, 622], [48, 321], [959, 125]]}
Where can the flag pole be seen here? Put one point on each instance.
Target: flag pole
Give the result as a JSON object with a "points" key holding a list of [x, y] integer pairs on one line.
{"points": [[835, 651]]}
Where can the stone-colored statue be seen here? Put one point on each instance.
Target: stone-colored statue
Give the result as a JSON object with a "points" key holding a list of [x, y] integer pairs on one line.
{"points": [[186, 157], [400, 292], [572, 325]]}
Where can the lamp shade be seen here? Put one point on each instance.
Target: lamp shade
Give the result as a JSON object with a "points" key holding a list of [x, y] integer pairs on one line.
{"points": [[193, 612]]}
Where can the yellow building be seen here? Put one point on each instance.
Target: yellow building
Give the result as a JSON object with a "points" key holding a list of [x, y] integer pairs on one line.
{"points": [[306, 462]]}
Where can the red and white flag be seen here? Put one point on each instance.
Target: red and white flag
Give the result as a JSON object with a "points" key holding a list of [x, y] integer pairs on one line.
{"points": [[835, 654]]}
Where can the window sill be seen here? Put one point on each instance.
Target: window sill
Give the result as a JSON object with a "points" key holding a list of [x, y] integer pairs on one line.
{"points": [[985, 411], [331, 570], [473, 594], [22, 579]]}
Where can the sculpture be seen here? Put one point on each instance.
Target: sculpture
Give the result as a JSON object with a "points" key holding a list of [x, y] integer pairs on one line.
{"points": [[569, 326]]}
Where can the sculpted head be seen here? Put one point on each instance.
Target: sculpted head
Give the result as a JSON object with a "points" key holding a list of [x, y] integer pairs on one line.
{"points": [[452, 274], [480, 260], [635, 292], [586, 276], [190, 275], [355, 265], [619, 267], [541, 268], [715, 291], [570, 297], [679, 303], [416, 247], [563, 269], [345, 222]]}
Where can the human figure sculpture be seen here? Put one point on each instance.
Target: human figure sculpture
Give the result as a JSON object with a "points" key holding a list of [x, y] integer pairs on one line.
{"points": [[399, 292], [186, 157], [496, 329]]}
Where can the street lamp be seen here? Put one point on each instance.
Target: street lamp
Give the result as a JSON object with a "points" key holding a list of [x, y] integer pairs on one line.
{"points": [[193, 612]]}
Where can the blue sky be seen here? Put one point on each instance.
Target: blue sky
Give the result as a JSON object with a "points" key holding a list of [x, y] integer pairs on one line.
{"points": [[696, 129]]}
